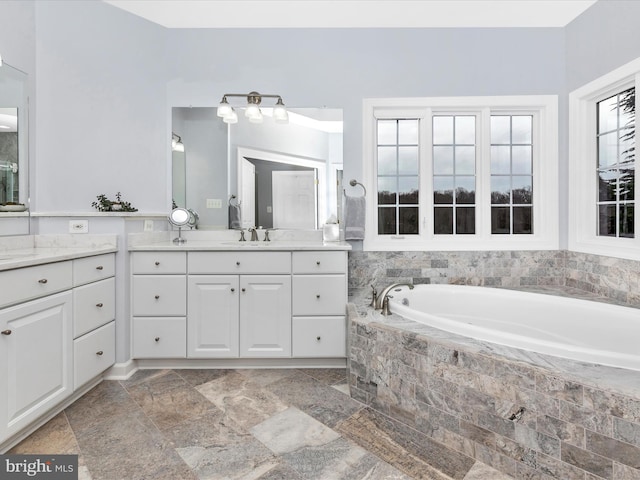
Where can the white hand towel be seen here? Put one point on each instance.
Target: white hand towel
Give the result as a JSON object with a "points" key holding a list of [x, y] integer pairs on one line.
{"points": [[354, 217]]}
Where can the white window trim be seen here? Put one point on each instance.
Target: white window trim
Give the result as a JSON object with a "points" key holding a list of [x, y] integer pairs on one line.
{"points": [[582, 182], [545, 194]]}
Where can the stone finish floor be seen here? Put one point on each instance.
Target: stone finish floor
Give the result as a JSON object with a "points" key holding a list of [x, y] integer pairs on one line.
{"points": [[292, 424]]}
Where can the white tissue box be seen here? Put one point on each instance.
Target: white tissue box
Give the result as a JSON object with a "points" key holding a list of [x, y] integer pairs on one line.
{"points": [[331, 232]]}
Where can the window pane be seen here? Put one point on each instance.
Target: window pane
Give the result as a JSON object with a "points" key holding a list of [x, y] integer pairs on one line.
{"points": [[408, 220], [522, 220], [627, 145], [408, 132], [465, 160], [607, 220], [500, 130], [465, 130], [386, 132], [627, 110], [607, 180], [408, 189], [608, 149], [627, 183], [442, 160], [443, 130], [500, 220], [443, 190], [500, 189], [521, 129], [408, 160], [387, 189], [500, 160], [521, 160], [465, 190], [387, 221], [443, 221], [626, 220], [465, 220], [608, 114], [522, 189]]}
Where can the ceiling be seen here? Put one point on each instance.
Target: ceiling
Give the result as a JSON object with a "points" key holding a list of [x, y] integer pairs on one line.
{"points": [[355, 13]]}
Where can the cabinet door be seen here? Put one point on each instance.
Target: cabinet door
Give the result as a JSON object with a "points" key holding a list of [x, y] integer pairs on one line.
{"points": [[36, 368], [159, 295], [212, 326], [265, 316]]}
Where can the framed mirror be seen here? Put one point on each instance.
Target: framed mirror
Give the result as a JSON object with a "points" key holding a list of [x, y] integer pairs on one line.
{"points": [[301, 160], [14, 176]]}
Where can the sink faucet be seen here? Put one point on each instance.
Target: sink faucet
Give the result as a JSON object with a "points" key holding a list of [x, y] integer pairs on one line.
{"points": [[254, 234], [383, 300]]}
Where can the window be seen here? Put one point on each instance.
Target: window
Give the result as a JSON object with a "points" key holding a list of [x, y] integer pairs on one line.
{"points": [[602, 170], [456, 173]]}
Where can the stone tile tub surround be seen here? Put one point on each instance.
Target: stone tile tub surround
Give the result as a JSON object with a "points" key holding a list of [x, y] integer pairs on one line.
{"points": [[615, 279], [527, 415]]}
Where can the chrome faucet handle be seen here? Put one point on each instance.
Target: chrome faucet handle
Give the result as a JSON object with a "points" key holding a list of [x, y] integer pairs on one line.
{"points": [[266, 235], [242, 239], [374, 296]]}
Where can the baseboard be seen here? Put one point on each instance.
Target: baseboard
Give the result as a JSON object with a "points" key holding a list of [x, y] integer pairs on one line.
{"points": [[121, 371], [181, 363]]}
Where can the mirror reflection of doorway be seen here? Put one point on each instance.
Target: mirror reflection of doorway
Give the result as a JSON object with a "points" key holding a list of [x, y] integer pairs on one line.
{"points": [[294, 199]]}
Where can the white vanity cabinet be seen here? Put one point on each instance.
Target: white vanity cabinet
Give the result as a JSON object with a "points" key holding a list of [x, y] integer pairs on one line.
{"points": [[319, 303], [239, 304], [159, 304]]}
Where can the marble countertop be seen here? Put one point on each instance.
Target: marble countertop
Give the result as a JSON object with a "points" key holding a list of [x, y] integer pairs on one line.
{"points": [[208, 245]]}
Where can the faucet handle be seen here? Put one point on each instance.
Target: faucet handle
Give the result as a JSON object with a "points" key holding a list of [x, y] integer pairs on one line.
{"points": [[242, 239], [266, 235], [374, 296]]}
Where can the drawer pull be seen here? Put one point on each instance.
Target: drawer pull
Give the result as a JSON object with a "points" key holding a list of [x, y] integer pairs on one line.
{"points": [[6, 332], [99, 267], [157, 297], [43, 280], [157, 339], [157, 263], [99, 305], [233, 290], [99, 353], [318, 338]]}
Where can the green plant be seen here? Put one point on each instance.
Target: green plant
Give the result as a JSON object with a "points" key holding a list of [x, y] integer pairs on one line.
{"points": [[105, 205]]}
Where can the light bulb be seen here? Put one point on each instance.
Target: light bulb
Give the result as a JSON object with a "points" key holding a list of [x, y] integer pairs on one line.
{"points": [[231, 118], [224, 109]]}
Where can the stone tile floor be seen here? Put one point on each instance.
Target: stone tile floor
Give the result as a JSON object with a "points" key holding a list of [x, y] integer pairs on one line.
{"points": [[292, 424]]}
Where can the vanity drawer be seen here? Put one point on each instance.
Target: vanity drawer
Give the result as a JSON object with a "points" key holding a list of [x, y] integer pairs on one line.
{"points": [[92, 269], [93, 353], [319, 262], [319, 294], [159, 295], [159, 262], [33, 282], [159, 337], [93, 306], [319, 337], [239, 262]]}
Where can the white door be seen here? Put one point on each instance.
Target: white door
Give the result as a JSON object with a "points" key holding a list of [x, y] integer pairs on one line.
{"points": [[36, 360], [294, 199], [265, 315], [212, 324], [248, 194]]}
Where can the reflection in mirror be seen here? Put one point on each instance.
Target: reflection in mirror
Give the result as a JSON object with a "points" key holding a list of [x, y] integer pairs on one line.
{"points": [[14, 192], [213, 151]]}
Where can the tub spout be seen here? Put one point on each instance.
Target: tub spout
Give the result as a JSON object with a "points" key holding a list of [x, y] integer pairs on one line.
{"points": [[383, 295]]}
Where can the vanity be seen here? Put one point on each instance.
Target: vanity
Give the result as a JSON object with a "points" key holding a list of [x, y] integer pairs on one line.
{"points": [[239, 303], [57, 328]]}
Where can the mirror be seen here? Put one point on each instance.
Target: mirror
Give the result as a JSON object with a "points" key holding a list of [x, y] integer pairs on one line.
{"points": [[14, 192], [283, 175], [180, 217]]}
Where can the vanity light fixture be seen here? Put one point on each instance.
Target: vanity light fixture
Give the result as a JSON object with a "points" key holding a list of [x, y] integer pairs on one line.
{"points": [[252, 112], [176, 143]]}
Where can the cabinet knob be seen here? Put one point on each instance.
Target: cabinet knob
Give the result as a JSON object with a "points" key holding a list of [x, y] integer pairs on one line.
{"points": [[318, 296], [244, 289], [157, 297], [43, 280], [318, 263], [99, 353], [318, 338], [238, 263], [157, 339], [99, 305], [233, 289], [99, 267], [157, 263], [6, 332]]}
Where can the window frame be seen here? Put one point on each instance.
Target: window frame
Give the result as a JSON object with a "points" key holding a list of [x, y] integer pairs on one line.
{"points": [[544, 109], [582, 183]]}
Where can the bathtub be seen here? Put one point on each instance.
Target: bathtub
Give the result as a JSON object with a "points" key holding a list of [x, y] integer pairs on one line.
{"points": [[565, 327]]}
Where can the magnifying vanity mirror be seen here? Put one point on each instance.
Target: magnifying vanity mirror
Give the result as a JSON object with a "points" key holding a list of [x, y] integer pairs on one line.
{"points": [[14, 191], [282, 175], [181, 217]]}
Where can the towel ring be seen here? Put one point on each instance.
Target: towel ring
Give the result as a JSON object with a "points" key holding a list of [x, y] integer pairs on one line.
{"points": [[353, 183]]}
